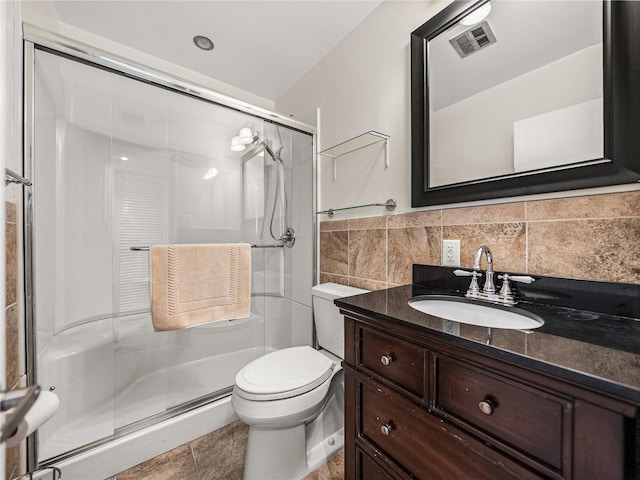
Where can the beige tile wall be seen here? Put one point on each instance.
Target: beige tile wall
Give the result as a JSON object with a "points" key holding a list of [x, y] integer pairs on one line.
{"points": [[594, 237], [13, 466]]}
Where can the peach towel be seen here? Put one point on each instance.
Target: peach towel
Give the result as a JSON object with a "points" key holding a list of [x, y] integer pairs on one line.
{"points": [[196, 284]]}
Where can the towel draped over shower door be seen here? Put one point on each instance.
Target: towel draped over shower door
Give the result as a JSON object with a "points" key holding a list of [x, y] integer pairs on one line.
{"points": [[197, 284]]}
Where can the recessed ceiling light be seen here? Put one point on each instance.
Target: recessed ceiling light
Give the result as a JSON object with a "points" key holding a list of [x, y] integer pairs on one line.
{"points": [[124, 159], [203, 42]]}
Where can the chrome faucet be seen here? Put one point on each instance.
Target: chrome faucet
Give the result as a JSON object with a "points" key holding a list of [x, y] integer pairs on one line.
{"points": [[488, 293], [489, 286]]}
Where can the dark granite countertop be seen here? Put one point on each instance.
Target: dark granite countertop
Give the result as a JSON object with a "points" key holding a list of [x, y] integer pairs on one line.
{"points": [[597, 347]]}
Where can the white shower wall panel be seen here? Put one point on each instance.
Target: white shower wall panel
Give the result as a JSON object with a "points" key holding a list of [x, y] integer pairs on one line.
{"points": [[301, 257], [301, 325], [277, 323], [73, 240], [288, 324], [111, 373]]}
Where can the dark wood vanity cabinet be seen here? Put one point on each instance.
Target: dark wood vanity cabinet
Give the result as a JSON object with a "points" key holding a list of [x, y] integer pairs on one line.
{"points": [[418, 406]]}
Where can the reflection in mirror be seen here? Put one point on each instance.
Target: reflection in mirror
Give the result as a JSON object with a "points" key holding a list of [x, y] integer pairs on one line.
{"points": [[515, 107], [516, 89]]}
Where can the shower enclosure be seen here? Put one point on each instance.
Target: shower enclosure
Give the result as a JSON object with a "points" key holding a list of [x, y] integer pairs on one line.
{"points": [[119, 164]]}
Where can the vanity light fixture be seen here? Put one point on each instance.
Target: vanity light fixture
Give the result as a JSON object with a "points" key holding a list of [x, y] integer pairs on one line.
{"points": [[477, 16], [203, 42], [246, 135]]}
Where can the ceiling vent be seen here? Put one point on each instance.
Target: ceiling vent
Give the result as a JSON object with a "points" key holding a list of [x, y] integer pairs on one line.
{"points": [[477, 37]]}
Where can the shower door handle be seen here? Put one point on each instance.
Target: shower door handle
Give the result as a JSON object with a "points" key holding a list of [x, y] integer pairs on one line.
{"points": [[20, 401]]}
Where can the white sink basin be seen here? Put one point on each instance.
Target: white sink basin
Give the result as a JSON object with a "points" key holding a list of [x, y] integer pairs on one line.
{"points": [[473, 312]]}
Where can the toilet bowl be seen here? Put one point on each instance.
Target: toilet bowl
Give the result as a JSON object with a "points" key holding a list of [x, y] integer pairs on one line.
{"points": [[293, 399]]}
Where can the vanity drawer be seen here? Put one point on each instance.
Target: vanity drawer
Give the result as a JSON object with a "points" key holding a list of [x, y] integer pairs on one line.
{"points": [[495, 405], [426, 448], [401, 362]]}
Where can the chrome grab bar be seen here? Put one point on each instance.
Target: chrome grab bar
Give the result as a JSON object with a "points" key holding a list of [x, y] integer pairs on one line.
{"points": [[20, 401]]}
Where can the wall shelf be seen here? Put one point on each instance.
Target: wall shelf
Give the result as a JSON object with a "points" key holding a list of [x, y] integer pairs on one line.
{"points": [[357, 143]]}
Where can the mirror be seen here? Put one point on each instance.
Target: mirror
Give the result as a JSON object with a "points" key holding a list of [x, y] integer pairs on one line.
{"points": [[514, 98]]}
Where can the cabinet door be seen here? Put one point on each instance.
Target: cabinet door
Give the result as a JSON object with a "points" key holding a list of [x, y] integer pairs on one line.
{"points": [[368, 469], [600, 438]]}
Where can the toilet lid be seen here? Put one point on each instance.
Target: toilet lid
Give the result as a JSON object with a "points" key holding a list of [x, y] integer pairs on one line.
{"points": [[284, 373]]}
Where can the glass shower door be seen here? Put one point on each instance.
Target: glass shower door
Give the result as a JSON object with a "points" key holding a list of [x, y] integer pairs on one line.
{"points": [[121, 164]]}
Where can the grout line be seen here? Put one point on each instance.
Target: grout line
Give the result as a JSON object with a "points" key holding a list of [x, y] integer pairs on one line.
{"points": [[526, 237], [195, 461], [348, 252], [526, 247], [583, 218], [442, 237], [386, 250]]}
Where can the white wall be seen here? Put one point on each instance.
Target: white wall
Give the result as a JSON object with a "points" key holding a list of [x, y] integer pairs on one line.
{"points": [[362, 85]]}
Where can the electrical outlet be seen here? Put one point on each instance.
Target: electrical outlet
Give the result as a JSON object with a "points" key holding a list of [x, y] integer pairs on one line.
{"points": [[451, 253]]}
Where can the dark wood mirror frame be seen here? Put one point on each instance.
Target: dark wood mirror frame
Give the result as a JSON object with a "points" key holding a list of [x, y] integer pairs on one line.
{"points": [[621, 27]]}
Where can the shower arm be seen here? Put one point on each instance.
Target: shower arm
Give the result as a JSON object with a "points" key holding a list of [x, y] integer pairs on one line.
{"points": [[275, 156]]}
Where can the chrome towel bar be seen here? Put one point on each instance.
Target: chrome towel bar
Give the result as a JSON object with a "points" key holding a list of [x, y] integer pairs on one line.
{"points": [[146, 247], [389, 205]]}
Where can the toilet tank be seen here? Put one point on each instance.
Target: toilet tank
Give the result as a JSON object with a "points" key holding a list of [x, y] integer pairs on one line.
{"points": [[329, 323]]}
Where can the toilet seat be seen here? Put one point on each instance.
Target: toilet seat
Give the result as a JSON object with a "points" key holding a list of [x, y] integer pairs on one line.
{"points": [[284, 374]]}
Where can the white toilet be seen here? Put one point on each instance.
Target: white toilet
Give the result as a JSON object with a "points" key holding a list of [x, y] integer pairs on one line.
{"points": [[293, 399]]}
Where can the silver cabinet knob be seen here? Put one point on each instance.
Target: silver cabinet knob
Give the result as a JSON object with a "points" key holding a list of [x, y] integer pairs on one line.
{"points": [[486, 407], [386, 360], [386, 429]]}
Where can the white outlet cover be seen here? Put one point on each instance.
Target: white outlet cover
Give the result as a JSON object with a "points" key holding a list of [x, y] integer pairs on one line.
{"points": [[451, 253]]}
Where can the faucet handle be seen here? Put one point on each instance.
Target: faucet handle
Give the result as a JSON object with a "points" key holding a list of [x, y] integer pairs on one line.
{"points": [[463, 273], [474, 280], [518, 278], [505, 292], [506, 286]]}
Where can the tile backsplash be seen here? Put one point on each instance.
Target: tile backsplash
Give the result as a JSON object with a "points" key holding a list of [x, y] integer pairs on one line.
{"points": [[595, 237]]}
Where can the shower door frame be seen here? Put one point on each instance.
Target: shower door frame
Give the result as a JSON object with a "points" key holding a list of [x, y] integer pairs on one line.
{"points": [[38, 38]]}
